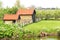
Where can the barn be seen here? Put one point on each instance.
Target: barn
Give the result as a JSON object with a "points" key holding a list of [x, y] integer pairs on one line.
{"points": [[25, 16]]}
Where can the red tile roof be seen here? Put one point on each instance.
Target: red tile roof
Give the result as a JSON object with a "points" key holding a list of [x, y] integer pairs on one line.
{"points": [[25, 11], [10, 17], [19, 12]]}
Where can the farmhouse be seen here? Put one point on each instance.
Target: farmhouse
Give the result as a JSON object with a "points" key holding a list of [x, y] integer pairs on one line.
{"points": [[25, 16]]}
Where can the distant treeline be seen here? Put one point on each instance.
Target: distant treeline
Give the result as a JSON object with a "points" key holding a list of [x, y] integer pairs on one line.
{"points": [[40, 8], [48, 14]]}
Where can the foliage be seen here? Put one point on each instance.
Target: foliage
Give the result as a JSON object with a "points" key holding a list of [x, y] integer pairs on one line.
{"points": [[0, 4], [48, 14], [10, 31], [17, 4]]}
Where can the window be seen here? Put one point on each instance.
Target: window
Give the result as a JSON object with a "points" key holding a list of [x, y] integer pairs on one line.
{"points": [[14, 21]]}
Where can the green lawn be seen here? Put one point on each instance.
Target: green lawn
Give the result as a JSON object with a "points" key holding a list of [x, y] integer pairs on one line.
{"points": [[44, 25]]}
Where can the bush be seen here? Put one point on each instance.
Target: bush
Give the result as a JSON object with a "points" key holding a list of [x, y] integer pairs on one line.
{"points": [[10, 31]]}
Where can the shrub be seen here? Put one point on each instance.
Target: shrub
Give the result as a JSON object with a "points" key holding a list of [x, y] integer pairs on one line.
{"points": [[10, 31]]}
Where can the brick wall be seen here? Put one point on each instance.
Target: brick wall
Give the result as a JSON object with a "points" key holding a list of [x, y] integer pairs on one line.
{"points": [[26, 19], [8, 22]]}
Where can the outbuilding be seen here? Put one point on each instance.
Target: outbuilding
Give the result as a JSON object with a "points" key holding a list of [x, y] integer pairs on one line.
{"points": [[11, 18], [25, 16]]}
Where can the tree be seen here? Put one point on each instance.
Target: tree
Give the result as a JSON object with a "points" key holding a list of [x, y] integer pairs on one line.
{"points": [[32, 7], [39, 8], [17, 4], [13, 10], [0, 4]]}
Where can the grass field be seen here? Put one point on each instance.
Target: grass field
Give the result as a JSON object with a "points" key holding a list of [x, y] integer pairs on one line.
{"points": [[44, 25]]}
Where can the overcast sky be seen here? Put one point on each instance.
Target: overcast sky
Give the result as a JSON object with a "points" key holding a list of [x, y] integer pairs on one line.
{"points": [[37, 3]]}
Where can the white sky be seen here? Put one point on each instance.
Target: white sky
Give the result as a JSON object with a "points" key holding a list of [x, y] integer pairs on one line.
{"points": [[37, 3]]}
